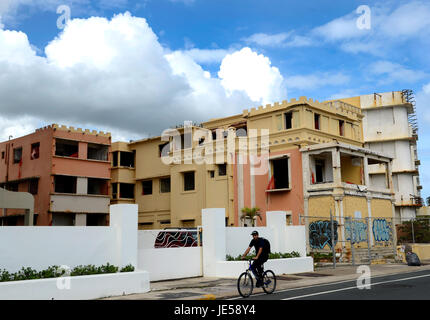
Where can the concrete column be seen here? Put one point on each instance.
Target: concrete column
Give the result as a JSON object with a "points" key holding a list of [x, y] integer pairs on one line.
{"points": [[366, 171], [82, 185], [337, 176], [214, 239], [124, 218], [369, 211], [80, 219], [277, 220]]}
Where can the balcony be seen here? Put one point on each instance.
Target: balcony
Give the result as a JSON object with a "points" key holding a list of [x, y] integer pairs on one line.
{"points": [[80, 203]]}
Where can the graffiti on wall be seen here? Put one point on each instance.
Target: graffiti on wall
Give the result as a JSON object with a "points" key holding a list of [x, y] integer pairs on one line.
{"points": [[358, 229], [320, 234], [382, 230]]}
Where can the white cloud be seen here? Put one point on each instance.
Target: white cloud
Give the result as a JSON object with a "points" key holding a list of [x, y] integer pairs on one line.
{"points": [[392, 72], [317, 80], [270, 40], [247, 71], [114, 75], [340, 29], [207, 55], [283, 39], [391, 24]]}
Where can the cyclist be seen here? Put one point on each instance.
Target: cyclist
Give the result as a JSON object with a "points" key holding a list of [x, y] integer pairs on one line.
{"points": [[262, 255]]}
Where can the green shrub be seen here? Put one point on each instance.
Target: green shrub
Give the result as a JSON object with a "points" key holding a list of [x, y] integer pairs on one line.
{"points": [[274, 255], [127, 268], [55, 272]]}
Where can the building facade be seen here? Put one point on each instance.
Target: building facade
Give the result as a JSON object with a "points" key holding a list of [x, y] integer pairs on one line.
{"points": [[390, 127], [67, 171], [291, 156]]}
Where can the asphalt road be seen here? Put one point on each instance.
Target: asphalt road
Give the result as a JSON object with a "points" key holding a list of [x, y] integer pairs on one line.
{"points": [[404, 286]]}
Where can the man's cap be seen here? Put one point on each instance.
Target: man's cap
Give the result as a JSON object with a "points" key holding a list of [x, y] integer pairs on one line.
{"points": [[254, 233]]}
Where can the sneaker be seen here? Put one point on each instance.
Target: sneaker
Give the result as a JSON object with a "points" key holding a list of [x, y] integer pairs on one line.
{"points": [[259, 283]]}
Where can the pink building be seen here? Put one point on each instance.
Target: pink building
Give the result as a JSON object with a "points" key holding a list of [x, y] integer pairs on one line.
{"points": [[67, 170]]}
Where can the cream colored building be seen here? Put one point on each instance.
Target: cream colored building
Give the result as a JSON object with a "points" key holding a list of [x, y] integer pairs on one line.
{"points": [[390, 127], [312, 151]]}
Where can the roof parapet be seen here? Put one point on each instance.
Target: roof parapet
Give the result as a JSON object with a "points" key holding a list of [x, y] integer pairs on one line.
{"points": [[56, 126], [336, 106]]}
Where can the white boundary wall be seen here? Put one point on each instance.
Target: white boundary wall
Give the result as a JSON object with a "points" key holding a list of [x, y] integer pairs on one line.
{"points": [[218, 241], [41, 247], [167, 263], [79, 288]]}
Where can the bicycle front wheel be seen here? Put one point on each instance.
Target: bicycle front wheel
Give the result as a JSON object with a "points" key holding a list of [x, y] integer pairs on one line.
{"points": [[269, 281], [245, 284]]}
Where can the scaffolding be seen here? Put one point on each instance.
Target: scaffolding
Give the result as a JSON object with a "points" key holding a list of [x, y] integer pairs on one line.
{"points": [[409, 97]]}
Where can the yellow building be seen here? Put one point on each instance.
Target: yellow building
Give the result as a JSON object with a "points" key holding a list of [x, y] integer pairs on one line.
{"points": [[306, 154]]}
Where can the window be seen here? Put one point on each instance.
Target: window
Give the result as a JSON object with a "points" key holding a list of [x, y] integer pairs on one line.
{"points": [[65, 184], [341, 127], [97, 186], [17, 155], [114, 190], [164, 185], [126, 159], [35, 151], [319, 171], [317, 121], [33, 186], [163, 149], [126, 190], [222, 169], [2, 154], [146, 187], [280, 176], [288, 120], [189, 183], [97, 152], [12, 187], [212, 173], [66, 148], [115, 159]]}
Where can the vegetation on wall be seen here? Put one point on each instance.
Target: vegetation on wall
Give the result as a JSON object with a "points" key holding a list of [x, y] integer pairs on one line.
{"points": [[56, 271], [275, 255]]}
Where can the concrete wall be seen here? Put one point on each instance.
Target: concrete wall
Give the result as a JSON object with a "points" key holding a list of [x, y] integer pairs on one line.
{"points": [[41, 247], [218, 241]]}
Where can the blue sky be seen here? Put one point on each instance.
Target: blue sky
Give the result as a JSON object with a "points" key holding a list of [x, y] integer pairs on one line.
{"points": [[164, 61]]}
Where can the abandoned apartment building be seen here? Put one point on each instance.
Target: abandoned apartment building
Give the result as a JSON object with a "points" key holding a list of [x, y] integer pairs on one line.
{"points": [[67, 171]]}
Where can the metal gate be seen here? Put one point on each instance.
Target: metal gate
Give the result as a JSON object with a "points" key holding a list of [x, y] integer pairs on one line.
{"points": [[350, 239]]}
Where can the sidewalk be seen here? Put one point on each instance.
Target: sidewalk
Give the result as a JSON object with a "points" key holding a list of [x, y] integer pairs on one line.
{"points": [[202, 288]]}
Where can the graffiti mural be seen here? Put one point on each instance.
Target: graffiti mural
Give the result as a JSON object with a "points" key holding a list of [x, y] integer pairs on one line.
{"points": [[358, 229], [382, 230], [320, 234]]}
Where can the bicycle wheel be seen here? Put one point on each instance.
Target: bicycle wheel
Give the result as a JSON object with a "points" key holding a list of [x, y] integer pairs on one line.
{"points": [[269, 281], [245, 284]]}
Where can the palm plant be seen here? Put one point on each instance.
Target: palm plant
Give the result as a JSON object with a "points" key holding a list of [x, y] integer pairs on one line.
{"points": [[251, 214]]}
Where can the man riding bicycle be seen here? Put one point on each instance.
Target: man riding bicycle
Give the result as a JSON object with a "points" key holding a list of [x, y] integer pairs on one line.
{"points": [[262, 255]]}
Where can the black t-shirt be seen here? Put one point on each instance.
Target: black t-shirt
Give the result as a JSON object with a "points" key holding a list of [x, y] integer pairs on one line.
{"points": [[257, 244]]}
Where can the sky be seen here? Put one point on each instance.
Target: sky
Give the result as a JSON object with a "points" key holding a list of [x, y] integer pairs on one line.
{"points": [[135, 68]]}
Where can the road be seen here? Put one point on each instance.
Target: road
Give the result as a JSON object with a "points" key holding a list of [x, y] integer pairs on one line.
{"points": [[404, 286]]}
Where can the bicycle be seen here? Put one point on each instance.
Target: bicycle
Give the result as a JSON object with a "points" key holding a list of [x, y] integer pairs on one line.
{"points": [[245, 283]]}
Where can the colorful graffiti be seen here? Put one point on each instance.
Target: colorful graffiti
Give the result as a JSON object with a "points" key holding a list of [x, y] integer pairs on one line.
{"points": [[320, 234], [382, 230], [358, 230]]}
